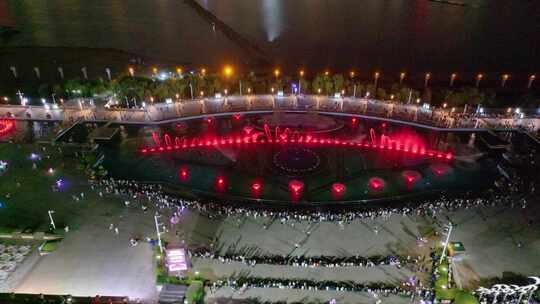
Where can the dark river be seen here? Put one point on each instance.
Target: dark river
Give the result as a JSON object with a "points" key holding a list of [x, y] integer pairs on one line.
{"points": [[415, 35]]}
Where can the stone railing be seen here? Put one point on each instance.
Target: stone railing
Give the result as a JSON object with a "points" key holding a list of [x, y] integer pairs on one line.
{"points": [[159, 112]]}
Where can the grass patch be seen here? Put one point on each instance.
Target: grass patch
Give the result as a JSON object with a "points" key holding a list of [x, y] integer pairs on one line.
{"points": [[50, 246]]}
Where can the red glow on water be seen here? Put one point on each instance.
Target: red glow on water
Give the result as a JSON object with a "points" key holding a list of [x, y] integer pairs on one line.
{"points": [[7, 126], [248, 130], [376, 183], [411, 177], [440, 169], [338, 188], [296, 186], [209, 120], [354, 120], [184, 173], [220, 182], [237, 116], [256, 186]]}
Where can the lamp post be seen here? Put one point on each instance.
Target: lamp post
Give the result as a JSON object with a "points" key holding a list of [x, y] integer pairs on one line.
{"points": [[426, 79], [50, 212], [531, 79], [452, 79], [478, 79], [504, 78], [376, 79], [450, 228], [301, 73], [158, 232], [401, 77]]}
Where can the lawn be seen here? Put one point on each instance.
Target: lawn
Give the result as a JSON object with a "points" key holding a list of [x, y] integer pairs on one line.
{"points": [[26, 193]]}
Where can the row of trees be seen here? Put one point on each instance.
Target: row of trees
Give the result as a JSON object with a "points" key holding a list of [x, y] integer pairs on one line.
{"points": [[126, 87]]}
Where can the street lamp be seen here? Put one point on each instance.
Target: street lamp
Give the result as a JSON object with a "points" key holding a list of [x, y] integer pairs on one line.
{"points": [[131, 71], [50, 212], [154, 71], [203, 71], [326, 73], [352, 74], [401, 77], [301, 73], [426, 79], [376, 76], [478, 79], [228, 71], [504, 78], [277, 72], [452, 78], [179, 71], [531, 79]]}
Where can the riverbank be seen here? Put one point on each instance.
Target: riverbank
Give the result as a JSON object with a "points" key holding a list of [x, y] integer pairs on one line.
{"points": [[71, 59]]}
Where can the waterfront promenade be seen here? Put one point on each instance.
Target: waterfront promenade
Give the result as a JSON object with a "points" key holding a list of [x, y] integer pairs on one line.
{"points": [[418, 114]]}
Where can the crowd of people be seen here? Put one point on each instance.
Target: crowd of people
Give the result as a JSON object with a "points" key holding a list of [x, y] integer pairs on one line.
{"points": [[155, 193], [375, 289], [305, 261]]}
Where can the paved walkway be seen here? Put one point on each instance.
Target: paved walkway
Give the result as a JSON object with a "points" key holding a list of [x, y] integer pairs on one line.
{"points": [[95, 261]]}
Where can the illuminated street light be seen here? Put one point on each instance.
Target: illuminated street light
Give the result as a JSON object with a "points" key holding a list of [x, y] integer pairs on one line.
{"points": [[272, 90], [203, 71], [228, 71], [504, 78], [301, 73], [352, 74], [444, 105], [326, 73], [277, 72], [401, 77], [319, 90], [531, 79], [50, 212], [154, 71], [376, 76], [479, 77], [452, 78], [131, 71], [417, 100], [179, 71], [426, 79], [249, 90], [201, 93]]}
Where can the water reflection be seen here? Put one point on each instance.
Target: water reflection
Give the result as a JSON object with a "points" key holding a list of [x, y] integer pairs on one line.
{"points": [[272, 18]]}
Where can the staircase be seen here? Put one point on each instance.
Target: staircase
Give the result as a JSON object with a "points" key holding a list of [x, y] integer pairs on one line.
{"points": [[172, 294]]}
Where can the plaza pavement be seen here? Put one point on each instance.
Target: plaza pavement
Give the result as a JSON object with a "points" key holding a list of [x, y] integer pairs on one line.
{"points": [[93, 260], [230, 296]]}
